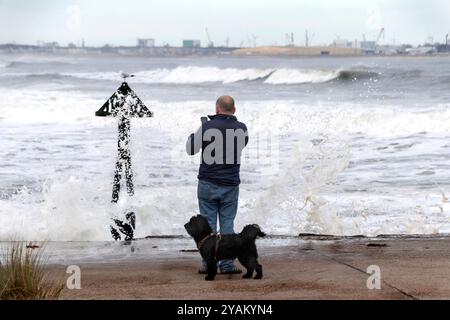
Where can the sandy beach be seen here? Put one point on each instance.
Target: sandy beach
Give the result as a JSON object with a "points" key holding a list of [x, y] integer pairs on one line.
{"points": [[411, 268]]}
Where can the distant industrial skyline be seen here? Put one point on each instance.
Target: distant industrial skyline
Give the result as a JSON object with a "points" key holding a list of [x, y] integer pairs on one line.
{"points": [[239, 23]]}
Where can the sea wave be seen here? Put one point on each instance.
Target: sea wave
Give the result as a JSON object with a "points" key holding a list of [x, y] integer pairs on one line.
{"points": [[198, 75], [27, 61], [195, 75], [291, 191], [35, 106]]}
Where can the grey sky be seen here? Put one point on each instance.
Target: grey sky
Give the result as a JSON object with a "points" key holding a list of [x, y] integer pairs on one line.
{"points": [[170, 21]]}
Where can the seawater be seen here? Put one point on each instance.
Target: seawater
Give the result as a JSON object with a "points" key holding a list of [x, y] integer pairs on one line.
{"points": [[339, 146]]}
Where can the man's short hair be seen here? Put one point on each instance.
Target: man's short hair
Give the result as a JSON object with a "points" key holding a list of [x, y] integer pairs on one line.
{"points": [[226, 103]]}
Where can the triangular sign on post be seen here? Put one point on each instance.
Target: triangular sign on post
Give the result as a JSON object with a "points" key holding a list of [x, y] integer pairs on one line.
{"points": [[124, 104]]}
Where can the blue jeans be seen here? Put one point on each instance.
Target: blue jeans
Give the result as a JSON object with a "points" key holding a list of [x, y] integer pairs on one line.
{"points": [[219, 200]]}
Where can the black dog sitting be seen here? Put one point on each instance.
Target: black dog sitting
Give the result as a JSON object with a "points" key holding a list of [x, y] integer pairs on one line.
{"points": [[214, 247]]}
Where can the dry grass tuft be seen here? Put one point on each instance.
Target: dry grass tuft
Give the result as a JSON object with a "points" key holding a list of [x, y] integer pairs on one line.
{"points": [[23, 275]]}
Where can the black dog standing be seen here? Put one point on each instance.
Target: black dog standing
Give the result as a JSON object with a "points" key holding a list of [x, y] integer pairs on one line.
{"points": [[214, 247]]}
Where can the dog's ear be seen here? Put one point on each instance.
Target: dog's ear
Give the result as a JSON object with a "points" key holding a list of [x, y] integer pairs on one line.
{"points": [[204, 224], [192, 227], [189, 228]]}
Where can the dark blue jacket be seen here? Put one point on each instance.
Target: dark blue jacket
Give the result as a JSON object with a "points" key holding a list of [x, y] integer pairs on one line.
{"points": [[224, 165]]}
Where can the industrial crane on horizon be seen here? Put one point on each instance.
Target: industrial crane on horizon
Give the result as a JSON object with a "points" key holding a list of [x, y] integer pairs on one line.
{"points": [[381, 34], [208, 38]]}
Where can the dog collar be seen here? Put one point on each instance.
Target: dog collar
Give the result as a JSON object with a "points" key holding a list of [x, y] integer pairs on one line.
{"points": [[201, 242]]}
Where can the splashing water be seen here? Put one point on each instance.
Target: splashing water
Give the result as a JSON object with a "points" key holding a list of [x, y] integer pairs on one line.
{"points": [[342, 166]]}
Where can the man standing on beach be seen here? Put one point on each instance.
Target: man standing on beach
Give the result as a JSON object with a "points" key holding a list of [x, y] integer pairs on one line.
{"points": [[221, 140]]}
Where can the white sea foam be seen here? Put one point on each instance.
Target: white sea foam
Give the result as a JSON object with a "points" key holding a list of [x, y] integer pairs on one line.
{"points": [[186, 75], [294, 201], [38, 106], [34, 106], [298, 193], [297, 76]]}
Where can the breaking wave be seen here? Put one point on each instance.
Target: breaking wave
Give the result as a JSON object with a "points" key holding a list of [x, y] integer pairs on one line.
{"points": [[297, 192], [195, 75], [35, 106], [198, 75], [294, 194], [29, 61]]}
